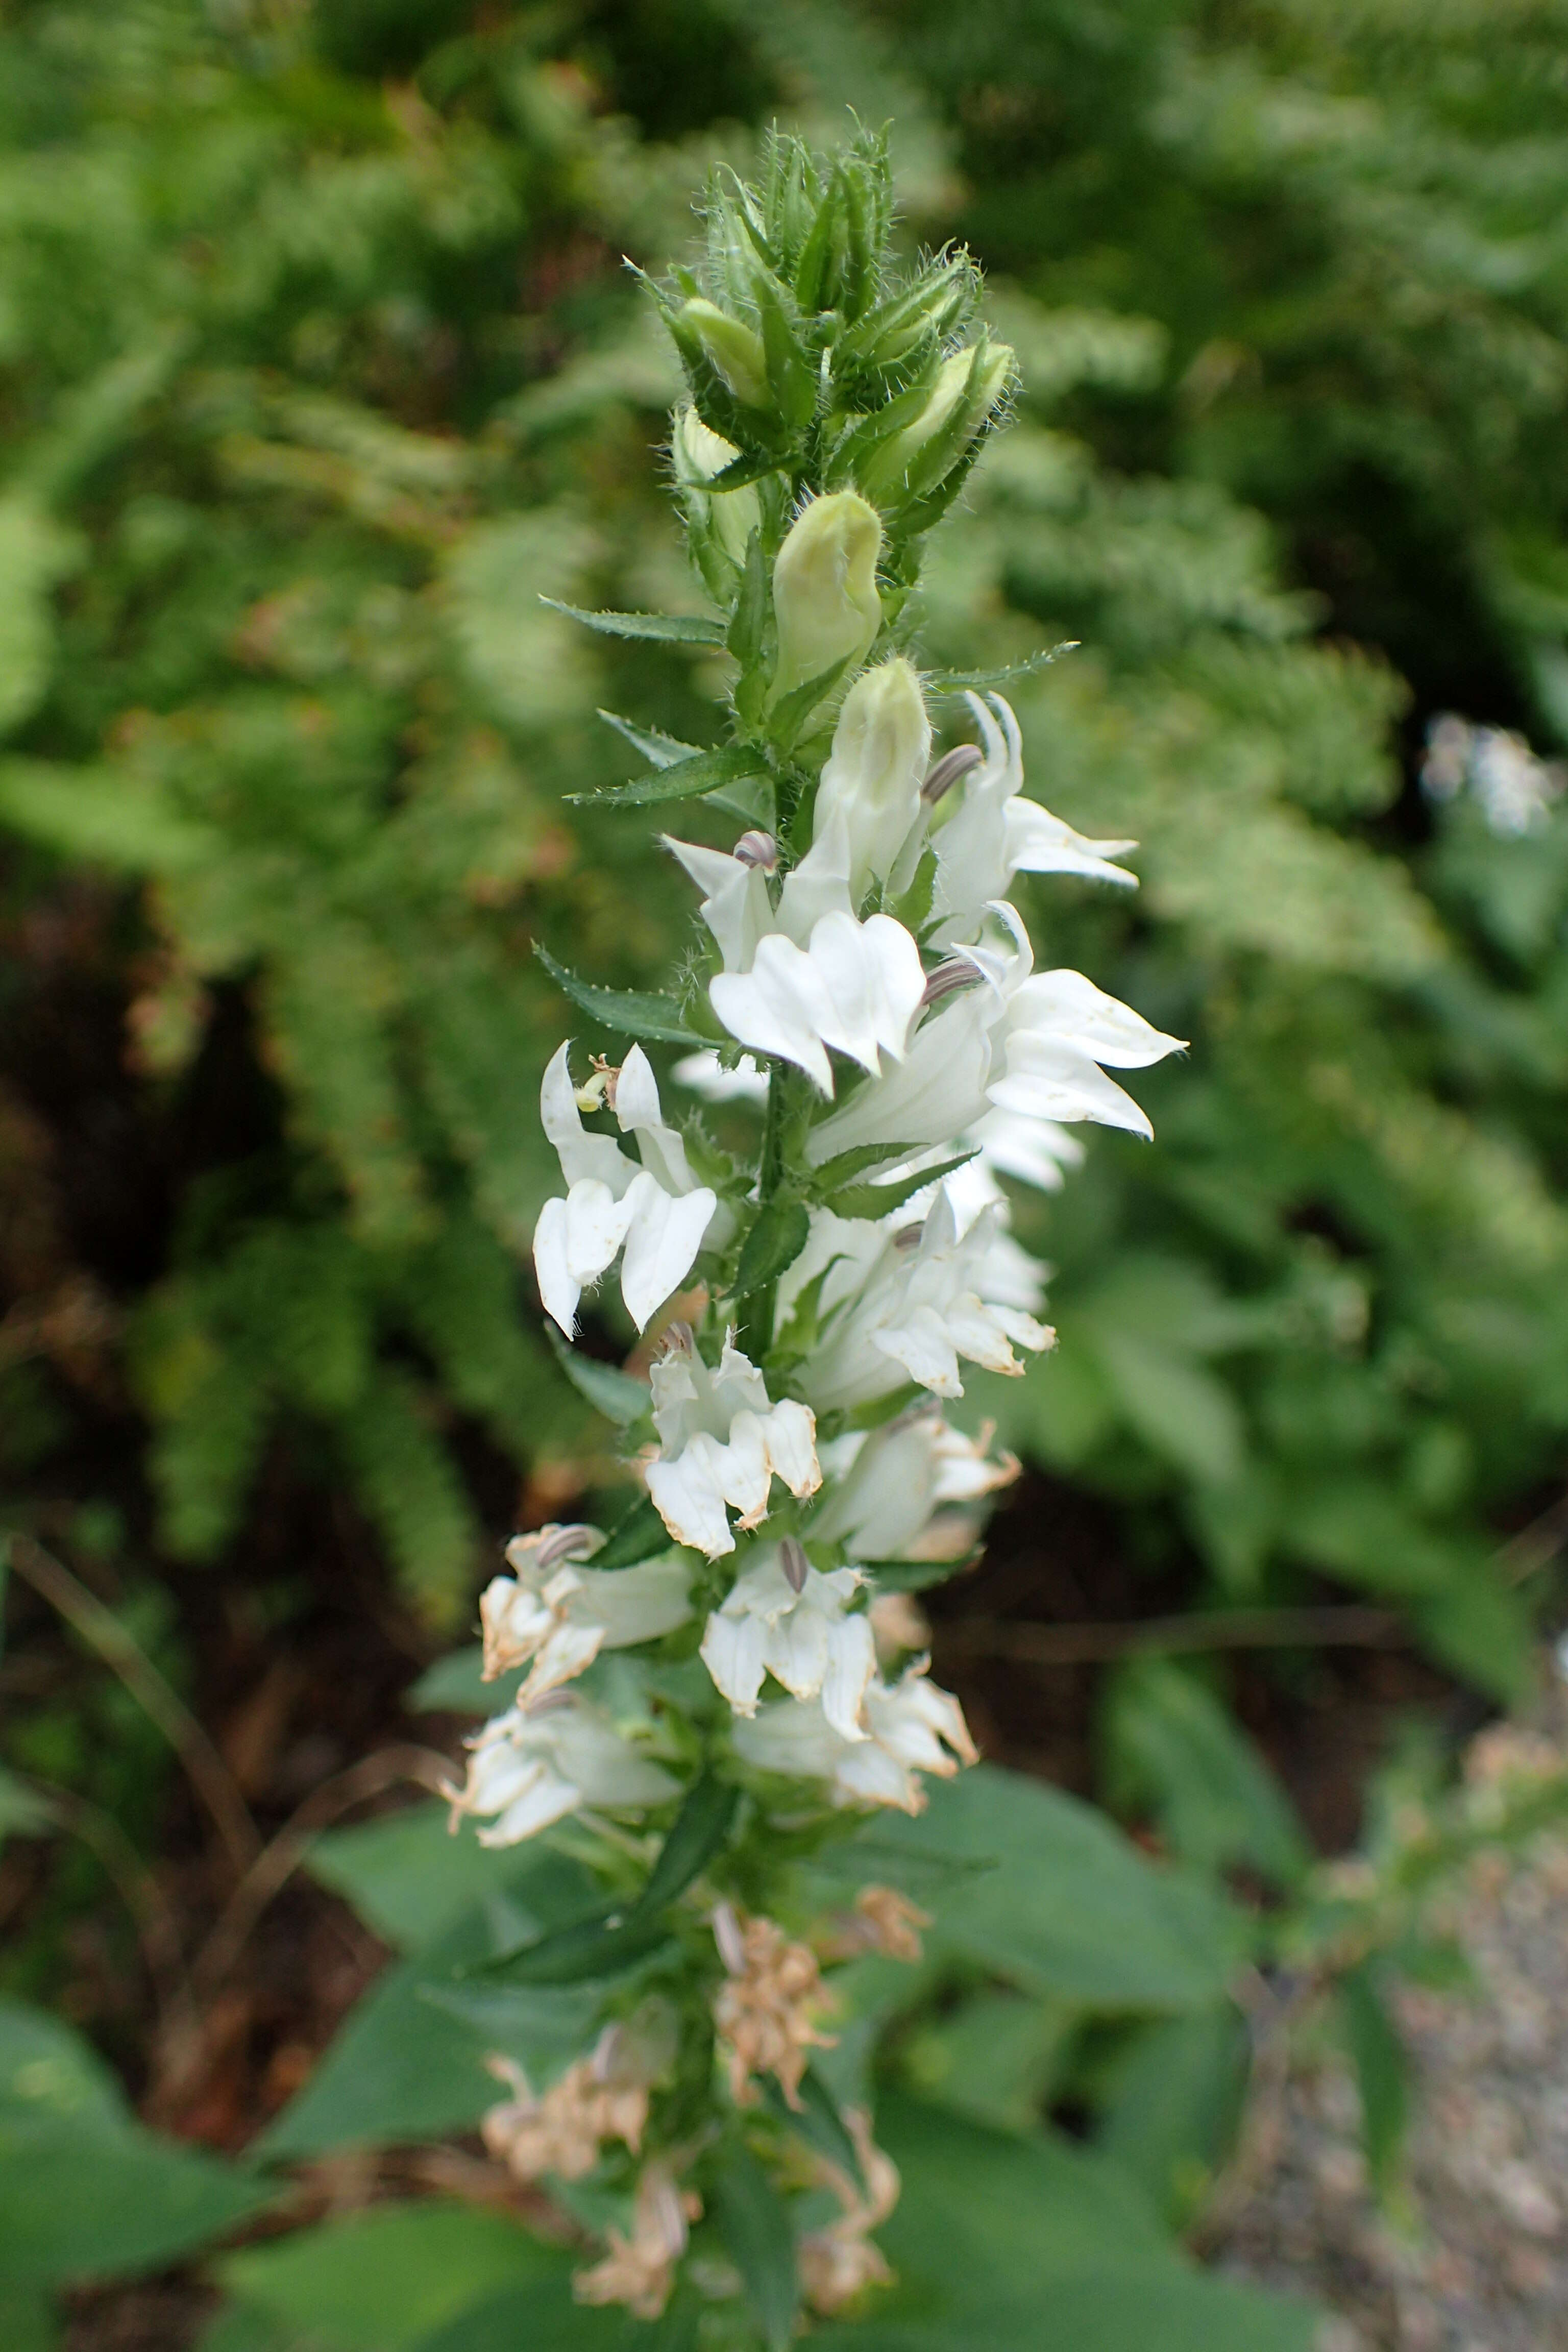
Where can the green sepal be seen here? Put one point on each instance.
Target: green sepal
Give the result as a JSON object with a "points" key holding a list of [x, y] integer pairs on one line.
{"points": [[877, 1201], [774, 1243], [614, 1394], [791, 375], [749, 621], [834, 1174], [633, 1012], [789, 713], [682, 779], [661, 628]]}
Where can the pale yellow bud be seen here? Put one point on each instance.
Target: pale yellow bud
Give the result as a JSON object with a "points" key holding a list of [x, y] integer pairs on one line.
{"points": [[736, 350], [891, 465], [699, 455], [881, 748], [825, 588]]}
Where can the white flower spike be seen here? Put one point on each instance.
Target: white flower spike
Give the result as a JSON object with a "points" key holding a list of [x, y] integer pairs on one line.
{"points": [[654, 1216], [783, 1618], [721, 1444]]}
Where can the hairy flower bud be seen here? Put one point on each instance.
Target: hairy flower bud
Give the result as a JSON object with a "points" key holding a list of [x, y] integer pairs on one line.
{"points": [[968, 386], [824, 589], [872, 778], [699, 455], [734, 349]]}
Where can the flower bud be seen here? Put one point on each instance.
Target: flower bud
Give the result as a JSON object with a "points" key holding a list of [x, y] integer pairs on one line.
{"points": [[872, 778], [825, 588], [735, 349], [699, 455], [968, 388]]}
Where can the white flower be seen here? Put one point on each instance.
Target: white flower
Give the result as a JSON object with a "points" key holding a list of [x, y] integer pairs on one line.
{"points": [[889, 1488], [530, 1767], [871, 782], [722, 1443], [993, 832], [783, 1618], [561, 1615], [913, 1727], [854, 987], [655, 1213], [1032, 1043], [906, 1306]]}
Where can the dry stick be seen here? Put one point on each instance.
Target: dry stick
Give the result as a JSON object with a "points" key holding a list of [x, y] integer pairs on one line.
{"points": [[156, 1929], [1219, 1629], [277, 1863], [205, 1768]]}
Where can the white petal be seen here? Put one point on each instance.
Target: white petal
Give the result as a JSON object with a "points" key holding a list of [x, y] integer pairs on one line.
{"points": [[636, 1093], [744, 1469], [851, 1663], [547, 1799], [663, 1238], [790, 1431], [797, 1651], [1044, 1081], [1071, 1010], [1040, 842], [688, 1497], [705, 1076], [635, 1605], [595, 1226], [581, 1154], [733, 1652], [933, 1094], [557, 1288], [567, 1652], [921, 1344], [819, 885], [779, 1007], [874, 979], [735, 906]]}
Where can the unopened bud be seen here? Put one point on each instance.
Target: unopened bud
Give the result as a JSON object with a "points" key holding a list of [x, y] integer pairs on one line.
{"points": [[758, 848], [871, 781], [795, 1563], [735, 349], [948, 770], [699, 455], [825, 588], [967, 388]]}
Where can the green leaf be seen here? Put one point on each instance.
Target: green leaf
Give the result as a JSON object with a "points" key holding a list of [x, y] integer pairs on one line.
{"points": [[102, 818], [791, 712], [748, 620], [754, 2220], [662, 628], [636, 1013], [700, 1829], [661, 751], [983, 681], [407, 1877], [616, 1394], [836, 1173], [383, 2280], [607, 1944], [23, 1812], [683, 780], [1030, 2245], [28, 2321], [78, 2203], [49, 2074], [1176, 2102], [877, 1200], [916, 1575], [1383, 2073], [818, 2120], [1071, 1907], [774, 1242], [639, 1536], [1172, 1747], [456, 1685]]}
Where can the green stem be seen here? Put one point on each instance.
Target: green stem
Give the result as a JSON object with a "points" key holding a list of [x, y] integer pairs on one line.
{"points": [[757, 1321]]}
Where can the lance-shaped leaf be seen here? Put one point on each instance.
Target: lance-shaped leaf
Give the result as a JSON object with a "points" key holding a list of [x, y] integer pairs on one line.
{"points": [[634, 1011], [981, 681], [614, 1394], [637, 1537], [662, 628], [755, 2225], [774, 1243], [880, 1200], [834, 1174], [700, 1829], [683, 780], [660, 750]]}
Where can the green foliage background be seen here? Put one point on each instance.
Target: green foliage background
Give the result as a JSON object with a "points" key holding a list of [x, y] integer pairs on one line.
{"points": [[318, 369]]}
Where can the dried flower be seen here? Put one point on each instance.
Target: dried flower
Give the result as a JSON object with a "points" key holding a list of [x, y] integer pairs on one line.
{"points": [[766, 2009], [840, 2261], [639, 2270], [596, 2099]]}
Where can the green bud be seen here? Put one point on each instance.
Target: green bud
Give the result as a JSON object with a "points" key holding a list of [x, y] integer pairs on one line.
{"points": [[736, 350], [881, 748], [824, 589], [968, 388]]}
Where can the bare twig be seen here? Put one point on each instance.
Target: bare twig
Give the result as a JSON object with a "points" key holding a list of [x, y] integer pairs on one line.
{"points": [[276, 1865], [157, 1930], [208, 1775], [1535, 1546], [1219, 1629]]}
